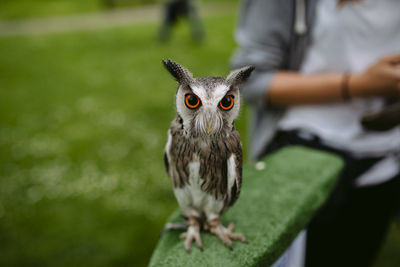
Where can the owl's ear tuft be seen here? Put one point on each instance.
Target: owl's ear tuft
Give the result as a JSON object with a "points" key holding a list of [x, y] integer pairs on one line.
{"points": [[237, 77], [180, 73]]}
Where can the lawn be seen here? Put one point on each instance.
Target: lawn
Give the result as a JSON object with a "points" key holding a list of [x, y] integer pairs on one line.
{"points": [[20, 9], [16, 9], [83, 122]]}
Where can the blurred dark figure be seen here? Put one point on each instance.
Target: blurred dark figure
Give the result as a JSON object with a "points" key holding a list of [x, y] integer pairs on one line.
{"points": [[176, 9], [327, 77], [109, 3]]}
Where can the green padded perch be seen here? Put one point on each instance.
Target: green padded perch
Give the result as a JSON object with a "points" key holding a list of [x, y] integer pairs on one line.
{"points": [[275, 204]]}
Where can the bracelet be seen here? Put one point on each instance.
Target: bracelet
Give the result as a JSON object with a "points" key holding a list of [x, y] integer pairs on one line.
{"points": [[345, 86]]}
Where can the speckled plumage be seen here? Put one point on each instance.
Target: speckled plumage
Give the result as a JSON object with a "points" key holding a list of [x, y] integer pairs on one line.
{"points": [[203, 154], [212, 153]]}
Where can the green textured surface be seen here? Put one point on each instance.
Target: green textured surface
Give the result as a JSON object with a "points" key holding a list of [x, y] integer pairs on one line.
{"points": [[275, 204]]}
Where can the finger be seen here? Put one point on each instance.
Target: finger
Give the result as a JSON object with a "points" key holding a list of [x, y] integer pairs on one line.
{"points": [[393, 58], [231, 227], [393, 73]]}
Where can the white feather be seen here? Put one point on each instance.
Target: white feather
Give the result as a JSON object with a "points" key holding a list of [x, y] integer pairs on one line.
{"points": [[218, 93], [193, 200], [231, 174], [168, 145]]}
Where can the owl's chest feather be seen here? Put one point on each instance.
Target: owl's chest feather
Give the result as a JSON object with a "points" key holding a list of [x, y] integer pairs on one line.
{"points": [[210, 159], [194, 196]]}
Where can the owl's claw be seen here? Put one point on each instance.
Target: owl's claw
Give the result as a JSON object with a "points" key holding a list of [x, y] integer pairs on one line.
{"points": [[225, 233], [192, 233]]}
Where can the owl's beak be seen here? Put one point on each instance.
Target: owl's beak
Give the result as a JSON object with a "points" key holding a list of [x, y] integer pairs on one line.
{"points": [[208, 123], [209, 128]]}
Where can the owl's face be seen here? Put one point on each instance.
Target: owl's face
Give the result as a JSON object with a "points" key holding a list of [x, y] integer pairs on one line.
{"points": [[207, 105]]}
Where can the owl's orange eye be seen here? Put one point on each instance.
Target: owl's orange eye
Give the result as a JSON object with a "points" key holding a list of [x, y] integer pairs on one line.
{"points": [[227, 102], [192, 101]]}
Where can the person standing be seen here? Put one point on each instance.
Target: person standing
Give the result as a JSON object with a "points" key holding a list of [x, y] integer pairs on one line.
{"points": [[176, 9], [320, 67]]}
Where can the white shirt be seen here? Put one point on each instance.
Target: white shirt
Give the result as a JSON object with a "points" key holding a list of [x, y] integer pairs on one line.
{"points": [[350, 38]]}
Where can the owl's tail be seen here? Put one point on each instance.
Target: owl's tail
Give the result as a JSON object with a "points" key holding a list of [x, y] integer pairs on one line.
{"points": [[173, 226]]}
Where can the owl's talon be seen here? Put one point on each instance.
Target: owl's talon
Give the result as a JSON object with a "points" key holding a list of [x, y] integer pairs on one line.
{"points": [[188, 249], [198, 240], [238, 237], [192, 234], [225, 233]]}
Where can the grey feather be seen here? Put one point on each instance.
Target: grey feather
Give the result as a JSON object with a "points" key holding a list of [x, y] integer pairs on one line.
{"points": [[180, 73], [190, 143], [213, 161], [237, 77]]}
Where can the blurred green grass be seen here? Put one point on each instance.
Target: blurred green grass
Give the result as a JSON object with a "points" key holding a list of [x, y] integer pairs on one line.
{"points": [[20, 9], [83, 122], [11, 9], [16, 9]]}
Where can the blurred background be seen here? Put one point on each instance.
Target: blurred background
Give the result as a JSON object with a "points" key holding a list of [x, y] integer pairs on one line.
{"points": [[85, 105]]}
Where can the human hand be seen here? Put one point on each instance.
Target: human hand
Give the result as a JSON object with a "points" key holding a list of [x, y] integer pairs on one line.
{"points": [[381, 79]]}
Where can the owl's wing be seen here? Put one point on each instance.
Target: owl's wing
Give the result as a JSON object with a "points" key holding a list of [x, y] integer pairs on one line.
{"points": [[166, 162], [176, 154], [234, 178], [167, 153], [234, 167]]}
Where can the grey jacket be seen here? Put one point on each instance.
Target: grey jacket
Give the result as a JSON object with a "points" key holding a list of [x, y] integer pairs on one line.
{"points": [[272, 35]]}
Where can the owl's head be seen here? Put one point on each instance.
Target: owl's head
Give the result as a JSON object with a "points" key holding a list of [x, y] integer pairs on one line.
{"points": [[207, 105]]}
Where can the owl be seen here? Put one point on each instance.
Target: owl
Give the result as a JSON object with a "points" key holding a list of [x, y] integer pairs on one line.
{"points": [[203, 154]]}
